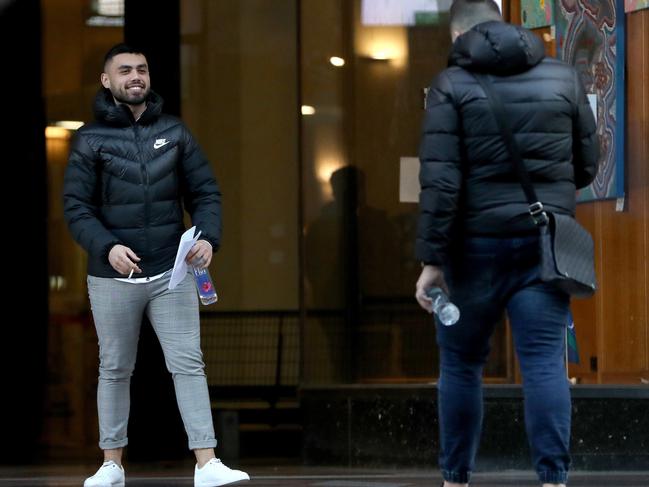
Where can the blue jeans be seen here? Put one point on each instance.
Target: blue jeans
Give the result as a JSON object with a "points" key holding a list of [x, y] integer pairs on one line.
{"points": [[489, 276]]}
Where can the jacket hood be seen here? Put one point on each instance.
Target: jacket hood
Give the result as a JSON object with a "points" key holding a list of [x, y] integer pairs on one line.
{"points": [[497, 48], [108, 112]]}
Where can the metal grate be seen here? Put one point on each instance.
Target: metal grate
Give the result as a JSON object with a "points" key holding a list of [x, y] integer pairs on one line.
{"points": [[251, 348]]}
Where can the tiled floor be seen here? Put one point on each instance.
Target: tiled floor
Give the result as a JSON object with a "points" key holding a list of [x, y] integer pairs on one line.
{"points": [[166, 476]]}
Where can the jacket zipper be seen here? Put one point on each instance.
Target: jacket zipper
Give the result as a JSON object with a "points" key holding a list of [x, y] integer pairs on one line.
{"points": [[145, 182]]}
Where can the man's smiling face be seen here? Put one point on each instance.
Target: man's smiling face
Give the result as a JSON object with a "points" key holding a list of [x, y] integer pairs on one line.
{"points": [[127, 77]]}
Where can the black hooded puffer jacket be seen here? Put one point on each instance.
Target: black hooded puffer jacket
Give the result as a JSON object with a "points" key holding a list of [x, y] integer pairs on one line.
{"points": [[468, 182], [127, 182]]}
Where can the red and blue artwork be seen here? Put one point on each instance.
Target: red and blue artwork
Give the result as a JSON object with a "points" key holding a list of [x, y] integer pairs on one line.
{"points": [[591, 36], [537, 13], [572, 350], [632, 5]]}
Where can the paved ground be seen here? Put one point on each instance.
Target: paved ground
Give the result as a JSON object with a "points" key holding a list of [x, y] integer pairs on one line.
{"points": [[175, 476]]}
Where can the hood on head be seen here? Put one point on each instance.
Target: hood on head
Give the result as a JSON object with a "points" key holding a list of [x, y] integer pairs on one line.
{"points": [[497, 48]]}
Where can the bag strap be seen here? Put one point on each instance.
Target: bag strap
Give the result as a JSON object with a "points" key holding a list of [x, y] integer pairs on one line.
{"points": [[535, 207]]}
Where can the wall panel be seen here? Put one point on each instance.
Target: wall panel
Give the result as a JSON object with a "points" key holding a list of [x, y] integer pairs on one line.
{"points": [[613, 326]]}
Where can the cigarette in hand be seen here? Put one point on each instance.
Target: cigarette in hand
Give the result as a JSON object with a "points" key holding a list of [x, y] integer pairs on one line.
{"points": [[131, 273]]}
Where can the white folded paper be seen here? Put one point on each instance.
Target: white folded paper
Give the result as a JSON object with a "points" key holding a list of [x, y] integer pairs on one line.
{"points": [[187, 241]]}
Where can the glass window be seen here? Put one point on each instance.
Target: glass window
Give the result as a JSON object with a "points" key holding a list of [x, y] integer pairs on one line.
{"points": [[364, 66]]}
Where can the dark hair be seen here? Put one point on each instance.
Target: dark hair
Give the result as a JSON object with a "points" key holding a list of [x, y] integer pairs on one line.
{"points": [[120, 48], [467, 13]]}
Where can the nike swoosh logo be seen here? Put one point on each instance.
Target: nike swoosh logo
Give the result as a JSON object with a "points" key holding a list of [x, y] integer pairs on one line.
{"points": [[160, 142]]}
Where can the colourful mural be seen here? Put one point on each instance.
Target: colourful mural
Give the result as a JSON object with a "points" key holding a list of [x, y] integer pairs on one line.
{"points": [[591, 37], [537, 13], [631, 5]]}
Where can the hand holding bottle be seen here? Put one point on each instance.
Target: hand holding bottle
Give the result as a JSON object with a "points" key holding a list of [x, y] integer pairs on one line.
{"points": [[431, 276], [199, 259], [200, 254]]}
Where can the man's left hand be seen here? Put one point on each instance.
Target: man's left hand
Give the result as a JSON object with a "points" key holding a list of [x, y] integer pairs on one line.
{"points": [[200, 255]]}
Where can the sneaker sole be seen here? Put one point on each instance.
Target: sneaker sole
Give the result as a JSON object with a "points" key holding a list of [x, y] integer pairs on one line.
{"points": [[223, 483]]}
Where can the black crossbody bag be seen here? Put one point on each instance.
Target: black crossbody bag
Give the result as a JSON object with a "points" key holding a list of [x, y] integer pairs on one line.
{"points": [[566, 248]]}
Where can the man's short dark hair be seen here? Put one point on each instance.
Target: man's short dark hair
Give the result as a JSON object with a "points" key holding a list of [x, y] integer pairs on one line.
{"points": [[467, 13], [120, 48]]}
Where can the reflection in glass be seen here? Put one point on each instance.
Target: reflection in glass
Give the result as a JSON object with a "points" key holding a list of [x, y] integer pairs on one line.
{"points": [[362, 323]]}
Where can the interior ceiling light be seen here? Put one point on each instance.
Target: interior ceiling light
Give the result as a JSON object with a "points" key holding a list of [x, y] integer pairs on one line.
{"points": [[69, 124]]}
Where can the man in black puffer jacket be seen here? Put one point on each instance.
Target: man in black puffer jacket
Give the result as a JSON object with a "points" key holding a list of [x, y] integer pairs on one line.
{"points": [[130, 176], [476, 239]]}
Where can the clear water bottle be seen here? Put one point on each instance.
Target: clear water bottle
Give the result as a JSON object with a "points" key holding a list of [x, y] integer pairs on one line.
{"points": [[447, 313], [204, 285]]}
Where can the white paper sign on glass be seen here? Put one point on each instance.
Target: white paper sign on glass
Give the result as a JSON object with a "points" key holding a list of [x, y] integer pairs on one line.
{"points": [[409, 180]]}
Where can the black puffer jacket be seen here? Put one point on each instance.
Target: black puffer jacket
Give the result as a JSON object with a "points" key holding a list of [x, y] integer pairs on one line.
{"points": [[468, 183], [126, 183]]}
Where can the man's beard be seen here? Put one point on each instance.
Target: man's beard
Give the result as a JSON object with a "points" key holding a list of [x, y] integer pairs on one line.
{"points": [[122, 96]]}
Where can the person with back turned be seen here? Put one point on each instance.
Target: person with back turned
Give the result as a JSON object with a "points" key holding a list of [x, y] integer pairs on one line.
{"points": [[476, 238], [130, 176]]}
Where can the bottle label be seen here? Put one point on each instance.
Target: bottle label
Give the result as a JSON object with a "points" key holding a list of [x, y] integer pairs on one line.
{"points": [[204, 284]]}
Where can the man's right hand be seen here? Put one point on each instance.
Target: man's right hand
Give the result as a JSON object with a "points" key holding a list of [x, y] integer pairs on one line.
{"points": [[431, 276], [123, 260]]}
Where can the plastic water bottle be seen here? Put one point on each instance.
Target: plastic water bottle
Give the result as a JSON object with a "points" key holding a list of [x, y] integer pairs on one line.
{"points": [[447, 313], [204, 285]]}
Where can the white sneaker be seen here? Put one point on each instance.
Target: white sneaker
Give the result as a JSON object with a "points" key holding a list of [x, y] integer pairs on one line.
{"points": [[214, 473], [109, 475]]}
